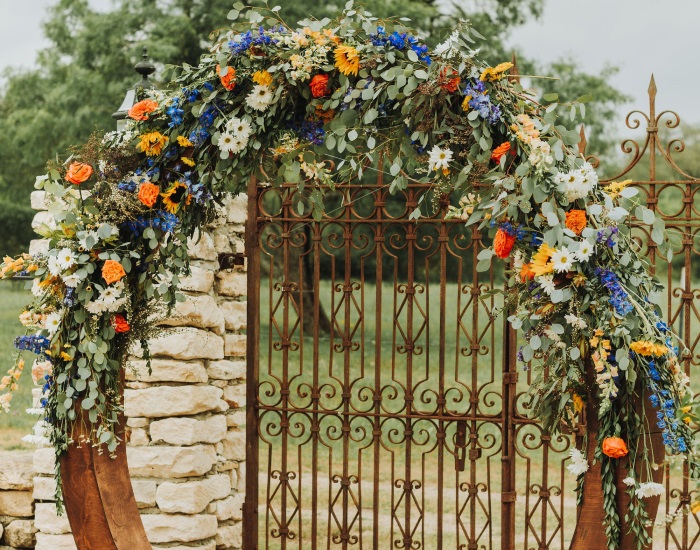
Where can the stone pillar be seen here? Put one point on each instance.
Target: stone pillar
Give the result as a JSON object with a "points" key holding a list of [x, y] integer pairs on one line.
{"points": [[186, 418], [16, 502]]}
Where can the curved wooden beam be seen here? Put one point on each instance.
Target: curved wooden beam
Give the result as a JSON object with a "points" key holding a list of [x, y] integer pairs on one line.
{"points": [[98, 496]]}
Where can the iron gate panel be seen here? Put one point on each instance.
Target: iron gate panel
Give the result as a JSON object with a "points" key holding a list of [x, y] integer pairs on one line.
{"points": [[433, 449]]}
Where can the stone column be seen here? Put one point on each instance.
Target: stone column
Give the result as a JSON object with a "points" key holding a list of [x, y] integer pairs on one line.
{"points": [[16, 503], [186, 418]]}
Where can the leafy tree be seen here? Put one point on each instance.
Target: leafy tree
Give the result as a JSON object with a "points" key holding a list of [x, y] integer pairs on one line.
{"points": [[82, 76]]}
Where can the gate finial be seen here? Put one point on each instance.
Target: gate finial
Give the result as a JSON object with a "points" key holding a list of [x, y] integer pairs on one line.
{"points": [[583, 142], [652, 99], [514, 75]]}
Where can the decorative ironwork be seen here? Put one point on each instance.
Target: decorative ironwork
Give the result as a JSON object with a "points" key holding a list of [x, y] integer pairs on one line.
{"points": [[386, 409]]}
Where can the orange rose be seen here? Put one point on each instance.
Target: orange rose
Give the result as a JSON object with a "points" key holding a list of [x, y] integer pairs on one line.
{"points": [[449, 79], [319, 85], [576, 221], [141, 109], [112, 271], [526, 273], [228, 81], [78, 173], [503, 243], [119, 323], [614, 447], [499, 151], [148, 194]]}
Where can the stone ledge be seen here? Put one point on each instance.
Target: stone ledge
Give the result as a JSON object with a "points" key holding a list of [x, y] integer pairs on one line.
{"points": [[16, 471]]}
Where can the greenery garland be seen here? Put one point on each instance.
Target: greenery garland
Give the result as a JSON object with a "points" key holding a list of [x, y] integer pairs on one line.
{"points": [[277, 103]]}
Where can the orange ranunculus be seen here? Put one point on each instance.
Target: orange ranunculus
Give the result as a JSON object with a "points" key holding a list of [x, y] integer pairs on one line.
{"points": [[228, 81], [503, 243], [576, 221], [499, 151], [614, 447], [148, 194], [119, 323], [449, 79], [112, 271], [78, 173], [526, 273], [319, 85], [141, 109]]}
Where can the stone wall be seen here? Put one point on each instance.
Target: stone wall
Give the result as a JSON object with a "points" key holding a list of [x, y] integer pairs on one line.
{"points": [[186, 418], [16, 501]]}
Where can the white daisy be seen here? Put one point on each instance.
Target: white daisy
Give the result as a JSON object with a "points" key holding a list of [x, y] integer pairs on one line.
{"points": [[227, 142], [111, 293], [40, 437], [239, 127], [575, 321], [53, 266], [65, 258], [260, 98], [649, 489], [239, 143], [52, 322], [629, 481], [72, 280], [546, 283], [37, 289], [584, 252], [578, 464], [439, 158], [562, 260]]}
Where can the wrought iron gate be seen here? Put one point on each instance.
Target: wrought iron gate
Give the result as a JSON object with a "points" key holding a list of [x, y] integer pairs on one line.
{"points": [[385, 407]]}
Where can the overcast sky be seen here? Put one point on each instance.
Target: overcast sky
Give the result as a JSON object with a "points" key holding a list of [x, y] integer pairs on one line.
{"points": [[639, 36]]}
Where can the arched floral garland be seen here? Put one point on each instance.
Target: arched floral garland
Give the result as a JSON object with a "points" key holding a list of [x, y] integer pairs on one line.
{"points": [[276, 102]]}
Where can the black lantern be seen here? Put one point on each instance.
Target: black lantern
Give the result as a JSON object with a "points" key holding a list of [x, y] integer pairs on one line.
{"points": [[145, 68]]}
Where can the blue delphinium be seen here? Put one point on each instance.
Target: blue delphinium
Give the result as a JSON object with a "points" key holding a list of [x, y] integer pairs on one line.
{"points": [[481, 101], [401, 41], [33, 342], [163, 220], [618, 296], [175, 113]]}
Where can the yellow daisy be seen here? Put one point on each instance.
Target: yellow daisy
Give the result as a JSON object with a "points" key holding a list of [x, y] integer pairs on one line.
{"points": [[347, 60], [152, 143], [184, 142], [188, 161], [491, 74], [263, 78], [541, 261]]}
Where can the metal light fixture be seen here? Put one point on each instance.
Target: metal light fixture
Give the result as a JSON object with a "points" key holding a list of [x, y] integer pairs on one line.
{"points": [[145, 68]]}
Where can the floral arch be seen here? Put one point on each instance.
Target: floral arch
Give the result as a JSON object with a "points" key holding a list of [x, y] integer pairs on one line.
{"points": [[276, 103]]}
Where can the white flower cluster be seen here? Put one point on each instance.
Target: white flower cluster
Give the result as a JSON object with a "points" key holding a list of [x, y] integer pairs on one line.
{"points": [[40, 434], [577, 184], [540, 152], [578, 465], [111, 298], [236, 136], [313, 58], [259, 98]]}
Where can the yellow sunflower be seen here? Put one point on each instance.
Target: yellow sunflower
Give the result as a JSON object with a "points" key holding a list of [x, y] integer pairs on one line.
{"points": [[541, 264], [263, 78], [188, 161], [152, 143], [175, 197], [184, 142], [495, 73], [347, 60]]}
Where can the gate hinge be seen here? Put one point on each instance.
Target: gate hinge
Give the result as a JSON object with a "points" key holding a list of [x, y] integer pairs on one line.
{"points": [[509, 496], [228, 260], [510, 378]]}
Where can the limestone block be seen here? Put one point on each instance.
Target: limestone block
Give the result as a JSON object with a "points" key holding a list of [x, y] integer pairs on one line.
{"points": [[170, 462], [192, 497], [230, 508], [236, 345], [237, 209], [179, 528], [167, 370], [44, 460], [18, 504], [189, 343], [47, 521], [221, 240], [44, 488], [37, 200], [202, 248], [230, 536], [235, 419], [198, 311], [38, 246], [43, 218], [137, 422], [161, 401], [231, 283], [55, 542], [226, 370], [235, 314], [138, 437], [234, 445], [235, 396], [145, 492], [20, 533], [16, 471], [188, 431], [211, 545], [200, 279]]}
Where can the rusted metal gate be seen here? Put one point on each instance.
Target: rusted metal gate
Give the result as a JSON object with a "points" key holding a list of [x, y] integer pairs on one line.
{"points": [[385, 409]]}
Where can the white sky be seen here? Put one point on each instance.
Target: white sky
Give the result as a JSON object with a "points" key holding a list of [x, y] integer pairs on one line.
{"points": [[640, 36]]}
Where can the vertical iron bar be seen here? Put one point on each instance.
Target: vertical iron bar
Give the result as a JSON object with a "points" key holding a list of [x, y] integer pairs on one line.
{"points": [[315, 397], [250, 524]]}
